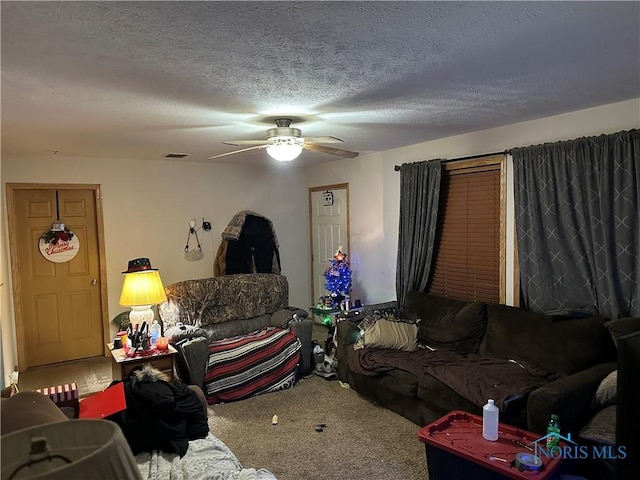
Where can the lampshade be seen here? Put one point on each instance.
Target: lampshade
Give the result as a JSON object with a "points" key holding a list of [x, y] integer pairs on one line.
{"points": [[142, 288], [285, 149]]}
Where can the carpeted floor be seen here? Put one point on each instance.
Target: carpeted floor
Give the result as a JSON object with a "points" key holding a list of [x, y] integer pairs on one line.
{"points": [[360, 441]]}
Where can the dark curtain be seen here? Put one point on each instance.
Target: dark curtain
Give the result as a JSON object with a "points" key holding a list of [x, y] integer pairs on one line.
{"points": [[577, 223], [419, 193]]}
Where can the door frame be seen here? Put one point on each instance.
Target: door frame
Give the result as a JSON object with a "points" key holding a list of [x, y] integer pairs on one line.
{"points": [[335, 186], [15, 264]]}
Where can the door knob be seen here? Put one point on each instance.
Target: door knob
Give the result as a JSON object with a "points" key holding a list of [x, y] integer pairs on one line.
{"points": [[94, 281]]}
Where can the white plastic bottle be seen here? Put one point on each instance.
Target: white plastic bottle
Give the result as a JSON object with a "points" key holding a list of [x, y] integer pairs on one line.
{"points": [[490, 415], [155, 332]]}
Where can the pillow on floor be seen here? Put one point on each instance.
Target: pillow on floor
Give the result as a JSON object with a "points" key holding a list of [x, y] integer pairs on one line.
{"points": [[396, 335]]}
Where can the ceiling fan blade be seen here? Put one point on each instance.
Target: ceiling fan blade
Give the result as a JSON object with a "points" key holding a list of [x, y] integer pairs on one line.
{"points": [[257, 147], [245, 142], [322, 140], [331, 150]]}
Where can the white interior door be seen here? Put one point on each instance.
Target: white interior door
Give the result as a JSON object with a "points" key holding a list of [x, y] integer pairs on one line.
{"points": [[329, 230]]}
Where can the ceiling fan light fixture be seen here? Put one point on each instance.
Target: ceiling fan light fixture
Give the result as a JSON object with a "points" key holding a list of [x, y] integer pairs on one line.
{"points": [[285, 149], [285, 143]]}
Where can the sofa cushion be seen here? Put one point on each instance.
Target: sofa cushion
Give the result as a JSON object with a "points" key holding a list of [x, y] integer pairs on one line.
{"points": [[401, 382], [441, 396], [446, 323], [385, 333], [566, 347]]}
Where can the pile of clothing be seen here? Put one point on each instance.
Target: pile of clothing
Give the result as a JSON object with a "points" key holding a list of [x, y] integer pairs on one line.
{"points": [[160, 415]]}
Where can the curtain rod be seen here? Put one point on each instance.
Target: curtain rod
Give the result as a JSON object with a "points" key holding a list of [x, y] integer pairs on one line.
{"points": [[470, 157]]}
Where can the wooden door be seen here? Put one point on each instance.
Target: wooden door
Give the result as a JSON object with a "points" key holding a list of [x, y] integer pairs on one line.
{"points": [[329, 230], [59, 312]]}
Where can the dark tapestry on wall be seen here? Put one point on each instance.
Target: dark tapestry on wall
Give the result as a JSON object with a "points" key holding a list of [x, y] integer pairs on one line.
{"points": [[578, 226]]}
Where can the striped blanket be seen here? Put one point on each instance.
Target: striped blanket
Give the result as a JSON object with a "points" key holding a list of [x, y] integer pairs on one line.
{"points": [[262, 361]]}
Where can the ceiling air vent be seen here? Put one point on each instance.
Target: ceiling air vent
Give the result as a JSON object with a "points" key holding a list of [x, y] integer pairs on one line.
{"points": [[176, 155]]}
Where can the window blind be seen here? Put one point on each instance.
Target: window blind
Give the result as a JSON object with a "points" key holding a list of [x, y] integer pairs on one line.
{"points": [[467, 245]]}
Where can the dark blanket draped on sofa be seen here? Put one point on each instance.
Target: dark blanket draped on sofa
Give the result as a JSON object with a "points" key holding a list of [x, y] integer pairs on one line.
{"points": [[474, 377]]}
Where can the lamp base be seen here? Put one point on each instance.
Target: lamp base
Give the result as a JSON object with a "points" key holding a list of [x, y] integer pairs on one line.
{"points": [[141, 313]]}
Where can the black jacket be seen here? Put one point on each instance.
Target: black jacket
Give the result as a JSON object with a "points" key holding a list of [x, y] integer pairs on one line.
{"points": [[160, 416], [255, 251]]}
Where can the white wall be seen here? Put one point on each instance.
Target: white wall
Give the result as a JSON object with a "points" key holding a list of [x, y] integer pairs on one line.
{"points": [[374, 185], [147, 206]]}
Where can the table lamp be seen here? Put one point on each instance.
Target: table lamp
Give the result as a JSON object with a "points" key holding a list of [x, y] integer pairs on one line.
{"points": [[142, 288]]}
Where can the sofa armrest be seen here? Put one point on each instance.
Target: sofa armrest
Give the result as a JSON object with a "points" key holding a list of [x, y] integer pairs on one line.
{"points": [[192, 359], [346, 335], [382, 307], [303, 329], [282, 317], [570, 397]]}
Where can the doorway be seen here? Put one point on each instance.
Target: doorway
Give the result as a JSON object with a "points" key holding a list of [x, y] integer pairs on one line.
{"points": [[329, 229], [60, 306]]}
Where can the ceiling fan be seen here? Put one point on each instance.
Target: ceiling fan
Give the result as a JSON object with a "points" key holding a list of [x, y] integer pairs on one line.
{"points": [[284, 143]]}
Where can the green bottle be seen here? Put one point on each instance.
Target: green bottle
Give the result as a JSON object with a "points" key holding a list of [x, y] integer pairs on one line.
{"points": [[553, 427]]}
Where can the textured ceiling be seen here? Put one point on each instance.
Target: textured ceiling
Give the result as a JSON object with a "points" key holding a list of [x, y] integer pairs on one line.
{"points": [[141, 79]]}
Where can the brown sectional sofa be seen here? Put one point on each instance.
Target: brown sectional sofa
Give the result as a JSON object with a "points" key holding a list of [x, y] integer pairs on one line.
{"points": [[571, 356]]}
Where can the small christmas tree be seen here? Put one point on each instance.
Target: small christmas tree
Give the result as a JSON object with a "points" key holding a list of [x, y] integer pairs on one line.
{"points": [[338, 275]]}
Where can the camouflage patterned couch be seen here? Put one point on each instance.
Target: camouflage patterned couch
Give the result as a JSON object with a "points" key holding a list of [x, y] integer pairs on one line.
{"points": [[228, 306]]}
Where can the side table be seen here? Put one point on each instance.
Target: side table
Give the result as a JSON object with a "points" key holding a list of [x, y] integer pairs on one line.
{"points": [[122, 365], [329, 317], [455, 448]]}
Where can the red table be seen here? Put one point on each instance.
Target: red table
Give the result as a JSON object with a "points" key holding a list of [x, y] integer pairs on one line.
{"points": [[456, 449]]}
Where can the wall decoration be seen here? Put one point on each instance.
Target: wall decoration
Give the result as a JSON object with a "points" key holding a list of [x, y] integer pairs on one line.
{"points": [[58, 244], [327, 199], [193, 254]]}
